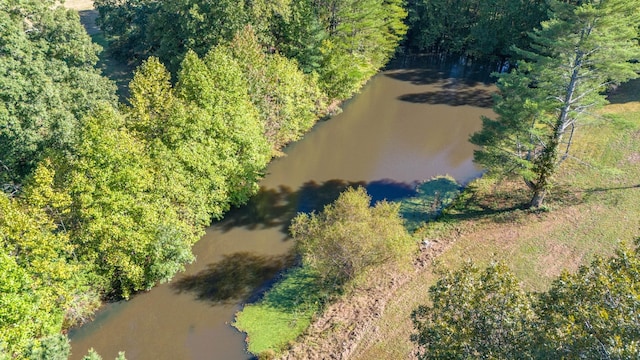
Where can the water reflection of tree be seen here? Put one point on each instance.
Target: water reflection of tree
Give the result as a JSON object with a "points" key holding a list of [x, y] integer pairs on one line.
{"points": [[234, 278], [277, 206], [452, 97]]}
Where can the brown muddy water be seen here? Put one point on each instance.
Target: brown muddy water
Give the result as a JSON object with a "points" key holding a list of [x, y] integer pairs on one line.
{"points": [[407, 125]]}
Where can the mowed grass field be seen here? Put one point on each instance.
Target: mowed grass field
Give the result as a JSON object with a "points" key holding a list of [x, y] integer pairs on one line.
{"points": [[593, 208]]}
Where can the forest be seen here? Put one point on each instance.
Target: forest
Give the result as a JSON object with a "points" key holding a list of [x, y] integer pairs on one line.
{"points": [[103, 198]]}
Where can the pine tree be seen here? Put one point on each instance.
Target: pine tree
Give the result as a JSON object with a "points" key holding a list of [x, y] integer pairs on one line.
{"points": [[576, 56]]}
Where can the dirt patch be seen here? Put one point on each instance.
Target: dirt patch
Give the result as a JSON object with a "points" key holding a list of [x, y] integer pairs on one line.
{"points": [[337, 333], [558, 257], [79, 4]]}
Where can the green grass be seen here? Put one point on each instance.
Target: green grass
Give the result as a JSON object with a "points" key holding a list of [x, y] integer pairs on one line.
{"points": [[432, 196], [284, 312]]}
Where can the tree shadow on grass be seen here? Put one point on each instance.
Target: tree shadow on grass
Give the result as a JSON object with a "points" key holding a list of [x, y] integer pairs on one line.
{"points": [[625, 93], [237, 277], [430, 198], [298, 289]]}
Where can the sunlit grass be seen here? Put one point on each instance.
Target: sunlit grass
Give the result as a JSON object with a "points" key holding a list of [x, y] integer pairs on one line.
{"points": [[284, 312]]}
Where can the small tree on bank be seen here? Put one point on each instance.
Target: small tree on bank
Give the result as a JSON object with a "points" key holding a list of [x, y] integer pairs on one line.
{"points": [[349, 236], [580, 52]]}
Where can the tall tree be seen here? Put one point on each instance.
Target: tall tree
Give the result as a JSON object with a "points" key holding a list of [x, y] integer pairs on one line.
{"points": [[206, 131], [577, 54], [362, 37], [43, 288], [477, 28], [592, 314], [121, 224], [288, 101], [300, 35]]}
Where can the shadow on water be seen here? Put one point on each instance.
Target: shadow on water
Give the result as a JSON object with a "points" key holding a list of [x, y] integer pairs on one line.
{"points": [[234, 278], [242, 276], [432, 69], [278, 206], [458, 97]]}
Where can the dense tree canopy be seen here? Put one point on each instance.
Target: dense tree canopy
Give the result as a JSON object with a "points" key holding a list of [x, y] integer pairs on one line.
{"points": [[591, 314], [480, 28], [288, 101], [576, 55], [43, 287], [344, 41], [475, 314], [47, 82]]}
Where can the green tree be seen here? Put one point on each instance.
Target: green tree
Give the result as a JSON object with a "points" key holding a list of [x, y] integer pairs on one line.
{"points": [[54, 347], [227, 149], [578, 53], [502, 24], [93, 355], [206, 131], [300, 35], [362, 37], [47, 82], [475, 314], [593, 314], [42, 287], [288, 101], [349, 236], [122, 226], [125, 25], [477, 28]]}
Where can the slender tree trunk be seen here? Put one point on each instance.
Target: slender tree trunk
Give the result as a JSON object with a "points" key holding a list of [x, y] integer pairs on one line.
{"points": [[546, 167], [547, 163]]}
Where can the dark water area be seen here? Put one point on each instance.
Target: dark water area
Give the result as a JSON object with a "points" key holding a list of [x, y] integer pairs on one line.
{"points": [[410, 123]]}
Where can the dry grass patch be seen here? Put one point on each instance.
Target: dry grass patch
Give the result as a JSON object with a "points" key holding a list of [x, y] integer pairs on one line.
{"points": [[79, 4]]}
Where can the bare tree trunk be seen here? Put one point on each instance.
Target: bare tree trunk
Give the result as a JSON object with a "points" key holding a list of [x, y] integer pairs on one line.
{"points": [[538, 198]]}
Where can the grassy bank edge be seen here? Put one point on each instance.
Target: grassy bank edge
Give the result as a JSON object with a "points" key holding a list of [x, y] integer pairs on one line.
{"points": [[285, 311]]}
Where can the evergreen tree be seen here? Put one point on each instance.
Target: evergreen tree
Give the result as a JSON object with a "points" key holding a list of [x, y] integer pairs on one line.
{"points": [[577, 54], [362, 37]]}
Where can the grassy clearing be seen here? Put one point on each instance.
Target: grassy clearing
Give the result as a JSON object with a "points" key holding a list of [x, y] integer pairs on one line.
{"points": [[432, 196], [284, 312], [594, 206]]}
